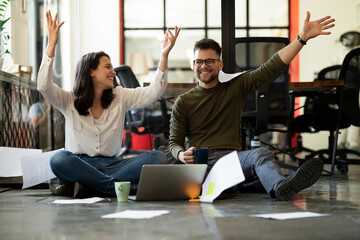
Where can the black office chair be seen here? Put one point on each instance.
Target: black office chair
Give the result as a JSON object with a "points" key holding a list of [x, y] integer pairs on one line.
{"points": [[324, 114], [148, 120], [271, 103], [305, 123]]}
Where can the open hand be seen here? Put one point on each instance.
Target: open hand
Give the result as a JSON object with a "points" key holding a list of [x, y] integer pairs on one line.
{"points": [[53, 29], [169, 40], [313, 29]]}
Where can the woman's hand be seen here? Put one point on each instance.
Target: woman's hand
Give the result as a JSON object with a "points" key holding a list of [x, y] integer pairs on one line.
{"points": [[166, 47], [169, 41], [53, 29]]}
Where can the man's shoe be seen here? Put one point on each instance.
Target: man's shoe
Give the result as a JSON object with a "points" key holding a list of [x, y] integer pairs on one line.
{"points": [[306, 175], [61, 190]]}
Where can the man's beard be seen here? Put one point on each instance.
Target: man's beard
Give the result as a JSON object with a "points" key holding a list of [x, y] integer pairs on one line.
{"points": [[212, 78]]}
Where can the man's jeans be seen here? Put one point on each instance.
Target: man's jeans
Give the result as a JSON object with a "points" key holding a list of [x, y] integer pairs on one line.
{"points": [[100, 172], [256, 163]]}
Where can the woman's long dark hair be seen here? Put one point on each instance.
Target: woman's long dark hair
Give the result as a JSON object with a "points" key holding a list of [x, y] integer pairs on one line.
{"points": [[84, 87]]}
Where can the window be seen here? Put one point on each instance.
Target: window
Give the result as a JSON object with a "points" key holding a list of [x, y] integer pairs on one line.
{"points": [[39, 39], [146, 21]]}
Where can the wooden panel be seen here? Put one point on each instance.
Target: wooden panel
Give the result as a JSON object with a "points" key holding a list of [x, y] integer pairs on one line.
{"points": [[315, 86]]}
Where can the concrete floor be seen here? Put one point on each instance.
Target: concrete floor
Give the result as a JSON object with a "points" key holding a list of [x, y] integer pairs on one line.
{"points": [[30, 214]]}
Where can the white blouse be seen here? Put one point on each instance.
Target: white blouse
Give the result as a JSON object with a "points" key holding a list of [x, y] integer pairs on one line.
{"points": [[81, 134]]}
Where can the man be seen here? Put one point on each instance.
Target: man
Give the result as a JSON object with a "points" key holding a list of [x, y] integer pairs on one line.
{"points": [[209, 115]]}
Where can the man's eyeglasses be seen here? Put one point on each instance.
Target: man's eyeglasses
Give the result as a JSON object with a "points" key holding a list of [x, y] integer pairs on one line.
{"points": [[209, 62]]}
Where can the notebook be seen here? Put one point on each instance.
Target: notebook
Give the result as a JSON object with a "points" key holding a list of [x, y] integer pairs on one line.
{"points": [[170, 182]]}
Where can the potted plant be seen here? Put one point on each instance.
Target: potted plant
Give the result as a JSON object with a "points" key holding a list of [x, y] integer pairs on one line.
{"points": [[4, 36]]}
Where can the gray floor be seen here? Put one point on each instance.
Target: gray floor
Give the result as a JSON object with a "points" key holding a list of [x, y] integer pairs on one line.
{"points": [[30, 214]]}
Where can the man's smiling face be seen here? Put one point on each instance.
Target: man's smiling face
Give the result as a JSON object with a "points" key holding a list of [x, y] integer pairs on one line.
{"points": [[207, 75]]}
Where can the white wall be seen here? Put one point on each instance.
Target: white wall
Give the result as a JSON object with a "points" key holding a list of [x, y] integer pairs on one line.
{"points": [[319, 52], [19, 35], [90, 26]]}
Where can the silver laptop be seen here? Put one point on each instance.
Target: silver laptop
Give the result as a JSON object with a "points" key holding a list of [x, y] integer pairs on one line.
{"points": [[170, 182]]}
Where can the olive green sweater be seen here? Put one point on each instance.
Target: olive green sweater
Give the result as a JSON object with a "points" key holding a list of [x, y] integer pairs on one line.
{"points": [[211, 118]]}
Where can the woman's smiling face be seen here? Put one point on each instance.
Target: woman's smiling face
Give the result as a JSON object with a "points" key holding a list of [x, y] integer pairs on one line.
{"points": [[103, 75]]}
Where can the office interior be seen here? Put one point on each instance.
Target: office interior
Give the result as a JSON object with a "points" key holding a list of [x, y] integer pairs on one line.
{"points": [[130, 31]]}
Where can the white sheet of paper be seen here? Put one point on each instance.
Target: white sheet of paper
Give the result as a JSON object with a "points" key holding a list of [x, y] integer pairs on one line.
{"points": [[291, 215], [136, 214], [225, 173], [225, 77], [10, 160], [36, 168], [82, 201]]}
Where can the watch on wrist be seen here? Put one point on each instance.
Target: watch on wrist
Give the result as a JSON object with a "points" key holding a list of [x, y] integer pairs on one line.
{"points": [[300, 40]]}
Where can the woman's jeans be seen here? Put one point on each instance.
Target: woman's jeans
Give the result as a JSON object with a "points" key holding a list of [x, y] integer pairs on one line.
{"points": [[101, 172]]}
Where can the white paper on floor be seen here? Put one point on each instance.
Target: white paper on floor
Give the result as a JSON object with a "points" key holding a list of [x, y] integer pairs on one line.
{"points": [[290, 215], [136, 214], [82, 201]]}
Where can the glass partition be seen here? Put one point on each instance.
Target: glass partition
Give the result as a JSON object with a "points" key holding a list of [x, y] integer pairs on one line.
{"points": [[146, 21]]}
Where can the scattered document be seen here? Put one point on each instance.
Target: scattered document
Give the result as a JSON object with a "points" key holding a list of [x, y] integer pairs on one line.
{"points": [[36, 168], [291, 215], [10, 160], [136, 214], [82, 201], [225, 77], [225, 173]]}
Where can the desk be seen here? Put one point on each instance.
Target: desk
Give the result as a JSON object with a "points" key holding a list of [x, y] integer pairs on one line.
{"points": [[316, 86], [305, 89], [299, 89]]}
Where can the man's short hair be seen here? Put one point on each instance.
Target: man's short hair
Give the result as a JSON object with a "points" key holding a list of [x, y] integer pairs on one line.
{"points": [[208, 43]]}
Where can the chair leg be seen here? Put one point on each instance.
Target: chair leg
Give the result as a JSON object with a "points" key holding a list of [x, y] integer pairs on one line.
{"points": [[127, 140], [156, 141], [127, 145], [326, 155], [299, 148]]}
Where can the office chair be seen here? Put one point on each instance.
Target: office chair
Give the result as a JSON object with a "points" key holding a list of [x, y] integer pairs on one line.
{"points": [[304, 123], [350, 73], [333, 110], [143, 120], [270, 104]]}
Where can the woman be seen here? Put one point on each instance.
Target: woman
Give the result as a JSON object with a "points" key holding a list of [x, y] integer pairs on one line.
{"points": [[95, 114]]}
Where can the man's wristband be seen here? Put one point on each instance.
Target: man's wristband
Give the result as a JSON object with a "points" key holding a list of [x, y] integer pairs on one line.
{"points": [[300, 40]]}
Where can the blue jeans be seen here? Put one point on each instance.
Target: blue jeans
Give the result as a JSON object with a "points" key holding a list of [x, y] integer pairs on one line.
{"points": [[101, 172], [256, 163]]}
